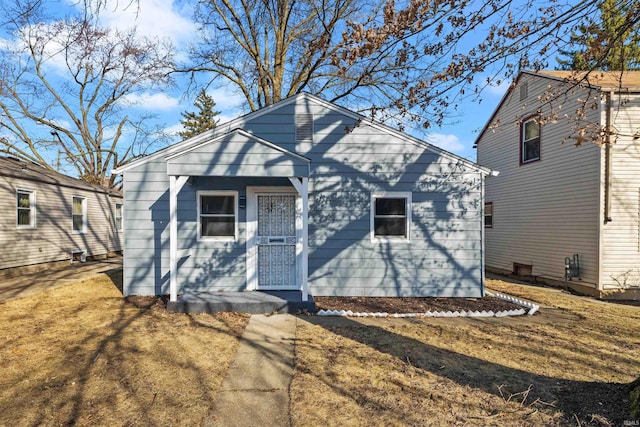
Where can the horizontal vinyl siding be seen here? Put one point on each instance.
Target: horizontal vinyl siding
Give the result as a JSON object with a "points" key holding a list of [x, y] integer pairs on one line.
{"points": [[443, 257], [210, 265], [546, 210], [53, 239], [347, 166], [621, 236], [146, 219]]}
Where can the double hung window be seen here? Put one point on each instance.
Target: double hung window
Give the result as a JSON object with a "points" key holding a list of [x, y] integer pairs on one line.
{"points": [[118, 216], [26, 209], [218, 215], [390, 215], [79, 214], [530, 140]]}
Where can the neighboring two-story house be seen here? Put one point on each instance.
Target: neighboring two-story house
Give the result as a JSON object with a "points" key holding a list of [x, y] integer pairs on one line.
{"points": [[567, 149]]}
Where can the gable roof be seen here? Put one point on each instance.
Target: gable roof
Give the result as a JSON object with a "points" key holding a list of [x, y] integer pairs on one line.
{"points": [[240, 121], [251, 156], [617, 81], [16, 168]]}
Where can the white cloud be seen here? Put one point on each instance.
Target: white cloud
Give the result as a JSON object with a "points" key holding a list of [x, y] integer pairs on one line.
{"points": [[152, 18], [447, 142], [153, 102], [231, 104], [173, 129]]}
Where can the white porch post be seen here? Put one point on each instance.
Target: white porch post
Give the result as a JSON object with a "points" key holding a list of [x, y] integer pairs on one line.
{"points": [[302, 186], [305, 238], [175, 185]]}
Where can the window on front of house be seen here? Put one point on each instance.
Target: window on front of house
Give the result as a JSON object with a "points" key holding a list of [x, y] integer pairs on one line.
{"points": [[79, 214], [530, 140], [218, 215], [390, 215], [488, 215], [26, 209]]}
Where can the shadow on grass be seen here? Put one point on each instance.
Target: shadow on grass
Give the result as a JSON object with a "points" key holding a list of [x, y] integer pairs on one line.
{"points": [[44, 277], [115, 275], [110, 358], [587, 402]]}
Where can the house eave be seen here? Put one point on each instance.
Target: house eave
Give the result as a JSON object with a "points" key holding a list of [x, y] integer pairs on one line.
{"points": [[240, 121]]}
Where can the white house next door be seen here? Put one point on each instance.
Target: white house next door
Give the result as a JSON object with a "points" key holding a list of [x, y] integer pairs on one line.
{"points": [[276, 241]]}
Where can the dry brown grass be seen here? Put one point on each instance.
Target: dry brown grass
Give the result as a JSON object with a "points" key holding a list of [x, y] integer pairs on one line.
{"points": [[567, 366], [81, 355]]}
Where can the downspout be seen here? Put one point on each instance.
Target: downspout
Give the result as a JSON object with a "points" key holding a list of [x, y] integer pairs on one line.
{"points": [[607, 160], [483, 277]]}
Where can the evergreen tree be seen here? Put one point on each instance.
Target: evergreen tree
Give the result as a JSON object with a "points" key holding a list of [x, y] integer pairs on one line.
{"points": [[202, 120], [610, 42]]}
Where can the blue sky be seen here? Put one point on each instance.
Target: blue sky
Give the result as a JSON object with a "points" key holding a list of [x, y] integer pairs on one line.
{"points": [[169, 19], [172, 20]]}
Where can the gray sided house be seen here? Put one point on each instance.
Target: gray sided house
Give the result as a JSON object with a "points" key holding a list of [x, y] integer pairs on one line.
{"points": [[307, 196], [46, 217], [553, 199]]}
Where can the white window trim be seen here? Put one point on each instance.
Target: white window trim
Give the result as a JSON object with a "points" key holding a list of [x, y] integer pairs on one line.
{"points": [[119, 229], [202, 238], [84, 215], [524, 141], [32, 209], [396, 195]]}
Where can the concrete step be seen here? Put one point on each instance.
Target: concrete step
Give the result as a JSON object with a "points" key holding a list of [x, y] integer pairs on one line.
{"points": [[259, 302]]}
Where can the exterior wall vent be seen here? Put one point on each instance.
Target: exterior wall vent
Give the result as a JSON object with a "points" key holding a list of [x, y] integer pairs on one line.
{"points": [[304, 128], [523, 270], [524, 91]]}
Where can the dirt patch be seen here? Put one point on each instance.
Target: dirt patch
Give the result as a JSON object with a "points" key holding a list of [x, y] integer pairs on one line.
{"points": [[412, 305]]}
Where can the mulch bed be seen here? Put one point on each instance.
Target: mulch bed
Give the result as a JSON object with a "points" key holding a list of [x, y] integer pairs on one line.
{"points": [[412, 305]]}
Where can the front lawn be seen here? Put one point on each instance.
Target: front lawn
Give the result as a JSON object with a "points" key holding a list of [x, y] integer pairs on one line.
{"points": [[81, 355], [568, 365]]}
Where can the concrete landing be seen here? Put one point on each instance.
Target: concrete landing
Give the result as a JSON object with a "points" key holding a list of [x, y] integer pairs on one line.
{"points": [[263, 302], [255, 391]]}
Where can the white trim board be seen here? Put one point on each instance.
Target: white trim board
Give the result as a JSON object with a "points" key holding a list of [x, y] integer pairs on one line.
{"points": [[241, 121]]}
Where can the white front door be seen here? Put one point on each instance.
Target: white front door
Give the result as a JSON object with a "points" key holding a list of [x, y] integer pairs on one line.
{"points": [[276, 241]]}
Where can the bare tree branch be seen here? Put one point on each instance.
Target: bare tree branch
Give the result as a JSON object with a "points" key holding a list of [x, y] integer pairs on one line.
{"points": [[73, 79]]}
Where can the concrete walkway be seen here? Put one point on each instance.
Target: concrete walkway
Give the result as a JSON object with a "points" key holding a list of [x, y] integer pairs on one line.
{"points": [[36, 279], [255, 391]]}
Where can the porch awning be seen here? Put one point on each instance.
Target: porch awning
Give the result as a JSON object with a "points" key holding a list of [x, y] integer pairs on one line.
{"points": [[237, 153]]}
